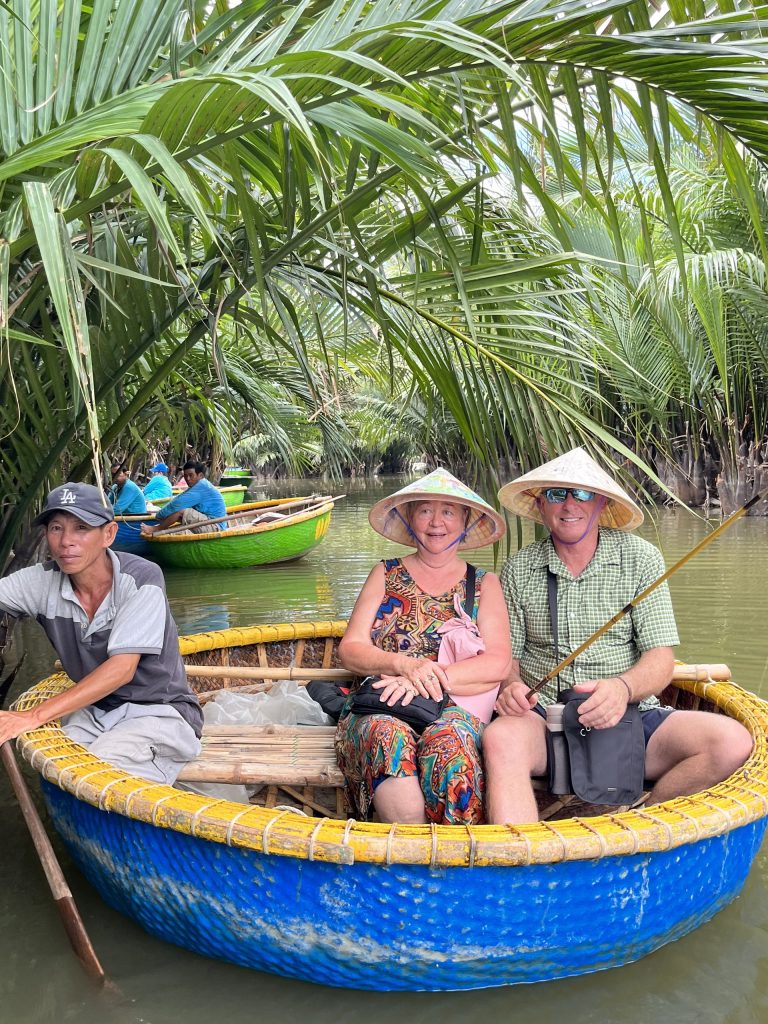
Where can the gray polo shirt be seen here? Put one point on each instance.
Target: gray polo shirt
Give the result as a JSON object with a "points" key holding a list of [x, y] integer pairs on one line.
{"points": [[134, 618]]}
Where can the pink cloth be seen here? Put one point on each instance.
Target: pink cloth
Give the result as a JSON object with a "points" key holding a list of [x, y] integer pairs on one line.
{"points": [[461, 640]]}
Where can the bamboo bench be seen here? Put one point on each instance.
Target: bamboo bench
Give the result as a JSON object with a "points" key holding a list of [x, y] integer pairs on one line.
{"points": [[295, 762]]}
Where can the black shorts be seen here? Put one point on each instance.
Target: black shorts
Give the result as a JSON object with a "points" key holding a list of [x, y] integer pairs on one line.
{"points": [[652, 718]]}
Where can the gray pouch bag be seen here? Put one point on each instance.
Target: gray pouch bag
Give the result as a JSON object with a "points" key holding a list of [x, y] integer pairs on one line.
{"points": [[607, 765]]}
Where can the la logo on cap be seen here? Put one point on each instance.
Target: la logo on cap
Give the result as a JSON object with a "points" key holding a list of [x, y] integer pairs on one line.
{"points": [[67, 497]]}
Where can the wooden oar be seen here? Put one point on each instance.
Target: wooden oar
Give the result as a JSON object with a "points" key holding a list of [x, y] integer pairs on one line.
{"points": [[320, 501], [648, 590], [65, 904]]}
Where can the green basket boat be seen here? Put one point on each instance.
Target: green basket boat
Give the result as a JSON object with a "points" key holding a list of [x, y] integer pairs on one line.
{"points": [[242, 547], [231, 495]]}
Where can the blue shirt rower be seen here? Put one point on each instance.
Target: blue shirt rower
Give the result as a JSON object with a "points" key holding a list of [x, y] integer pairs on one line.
{"points": [[125, 495], [194, 507]]}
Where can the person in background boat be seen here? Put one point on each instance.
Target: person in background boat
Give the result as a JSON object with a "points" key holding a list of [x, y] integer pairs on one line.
{"points": [[200, 502], [108, 619], [125, 495], [600, 566], [393, 633], [159, 485]]}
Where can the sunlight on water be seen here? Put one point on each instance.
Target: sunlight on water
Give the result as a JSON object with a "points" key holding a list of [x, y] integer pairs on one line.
{"points": [[716, 974]]}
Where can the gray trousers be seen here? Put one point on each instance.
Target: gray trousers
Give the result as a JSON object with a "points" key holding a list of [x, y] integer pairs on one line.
{"points": [[190, 516], [152, 741]]}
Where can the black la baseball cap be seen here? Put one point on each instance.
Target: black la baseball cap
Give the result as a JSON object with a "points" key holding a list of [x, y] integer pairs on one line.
{"points": [[82, 500]]}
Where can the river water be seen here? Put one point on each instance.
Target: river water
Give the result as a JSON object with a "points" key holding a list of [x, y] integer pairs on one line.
{"points": [[717, 974]]}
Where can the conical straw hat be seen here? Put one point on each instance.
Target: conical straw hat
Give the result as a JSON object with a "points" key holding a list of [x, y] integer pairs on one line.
{"points": [[574, 469], [484, 529]]}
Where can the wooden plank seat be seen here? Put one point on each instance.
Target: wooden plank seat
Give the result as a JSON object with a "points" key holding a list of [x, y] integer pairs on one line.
{"points": [[294, 765]]}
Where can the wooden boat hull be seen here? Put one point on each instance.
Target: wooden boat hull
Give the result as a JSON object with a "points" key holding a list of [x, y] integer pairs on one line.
{"points": [[373, 906], [245, 547]]}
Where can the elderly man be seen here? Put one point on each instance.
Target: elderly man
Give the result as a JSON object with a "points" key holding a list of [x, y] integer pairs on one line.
{"points": [[194, 507], [108, 619], [599, 566]]}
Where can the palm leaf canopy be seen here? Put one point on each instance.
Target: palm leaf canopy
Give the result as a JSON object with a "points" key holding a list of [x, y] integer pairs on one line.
{"points": [[314, 172]]}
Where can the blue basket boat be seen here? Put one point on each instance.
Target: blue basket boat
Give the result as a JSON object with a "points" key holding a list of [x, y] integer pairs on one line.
{"points": [[401, 907]]}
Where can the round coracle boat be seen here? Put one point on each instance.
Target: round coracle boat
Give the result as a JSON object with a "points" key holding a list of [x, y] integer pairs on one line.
{"points": [[241, 546], [389, 907], [129, 536]]}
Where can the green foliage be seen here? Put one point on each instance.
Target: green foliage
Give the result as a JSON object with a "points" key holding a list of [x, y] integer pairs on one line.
{"points": [[203, 206]]}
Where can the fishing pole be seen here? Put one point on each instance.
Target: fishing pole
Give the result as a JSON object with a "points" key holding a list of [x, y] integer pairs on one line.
{"points": [[648, 590]]}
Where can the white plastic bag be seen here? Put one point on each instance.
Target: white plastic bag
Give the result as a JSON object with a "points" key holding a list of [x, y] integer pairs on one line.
{"points": [[286, 703]]}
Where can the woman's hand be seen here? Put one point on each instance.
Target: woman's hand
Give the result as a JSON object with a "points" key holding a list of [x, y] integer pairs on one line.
{"points": [[424, 678], [394, 689], [427, 676]]}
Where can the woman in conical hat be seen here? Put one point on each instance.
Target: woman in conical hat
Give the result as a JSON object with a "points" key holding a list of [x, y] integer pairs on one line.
{"points": [[395, 633]]}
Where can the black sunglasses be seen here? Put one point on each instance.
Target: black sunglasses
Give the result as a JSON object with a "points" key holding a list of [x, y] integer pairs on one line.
{"points": [[557, 495]]}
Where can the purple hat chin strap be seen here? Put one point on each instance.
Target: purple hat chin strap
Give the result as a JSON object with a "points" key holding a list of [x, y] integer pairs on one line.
{"points": [[418, 543], [596, 512]]}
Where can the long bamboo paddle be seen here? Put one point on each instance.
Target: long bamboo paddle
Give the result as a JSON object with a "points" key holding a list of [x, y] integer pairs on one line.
{"points": [[65, 904], [319, 499], [648, 590]]}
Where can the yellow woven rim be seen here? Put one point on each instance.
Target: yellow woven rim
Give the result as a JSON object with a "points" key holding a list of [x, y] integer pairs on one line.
{"points": [[243, 531], [741, 799]]}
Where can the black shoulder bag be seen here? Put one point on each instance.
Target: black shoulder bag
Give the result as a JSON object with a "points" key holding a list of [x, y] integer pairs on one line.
{"points": [[607, 766], [421, 711]]}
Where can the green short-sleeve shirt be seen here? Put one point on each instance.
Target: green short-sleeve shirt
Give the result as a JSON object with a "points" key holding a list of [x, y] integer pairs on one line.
{"points": [[623, 565]]}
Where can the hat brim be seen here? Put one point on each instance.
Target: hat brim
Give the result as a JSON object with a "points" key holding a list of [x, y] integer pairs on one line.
{"points": [[487, 529], [619, 512], [89, 518]]}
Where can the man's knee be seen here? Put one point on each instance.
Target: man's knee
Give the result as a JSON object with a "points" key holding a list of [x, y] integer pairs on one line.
{"points": [[516, 741], [730, 745], [720, 744]]}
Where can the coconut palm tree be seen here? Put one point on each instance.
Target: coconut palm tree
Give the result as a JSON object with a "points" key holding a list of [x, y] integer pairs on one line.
{"points": [[171, 168]]}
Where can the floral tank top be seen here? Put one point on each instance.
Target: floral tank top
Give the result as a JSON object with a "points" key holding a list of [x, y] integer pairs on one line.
{"points": [[408, 619]]}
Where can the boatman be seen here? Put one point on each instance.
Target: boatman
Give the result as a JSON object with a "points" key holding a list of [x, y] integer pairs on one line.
{"points": [[599, 567], [159, 485], [200, 502], [108, 619], [125, 495]]}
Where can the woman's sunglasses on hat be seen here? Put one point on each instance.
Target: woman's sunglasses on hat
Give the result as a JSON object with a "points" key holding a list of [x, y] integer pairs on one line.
{"points": [[557, 495]]}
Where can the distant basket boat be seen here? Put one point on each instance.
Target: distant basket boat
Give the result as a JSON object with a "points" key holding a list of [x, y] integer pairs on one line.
{"points": [[232, 495], [234, 476], [240, 547], [390, 907]]}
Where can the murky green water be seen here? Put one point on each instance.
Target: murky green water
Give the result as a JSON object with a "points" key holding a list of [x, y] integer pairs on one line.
{"points": [[717, 974]]}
